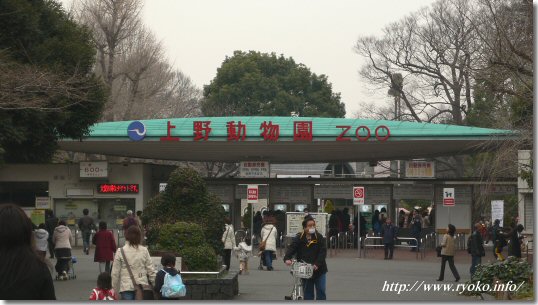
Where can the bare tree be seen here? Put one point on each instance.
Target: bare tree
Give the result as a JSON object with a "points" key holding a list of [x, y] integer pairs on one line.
{"points": [[31, 87], [131, 59], [434, 51], [112, 22]]}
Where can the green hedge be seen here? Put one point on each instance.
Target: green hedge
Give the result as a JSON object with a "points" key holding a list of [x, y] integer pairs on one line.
{"points": [[180, 235], [200, 258], [512, 270], [185, 199]]}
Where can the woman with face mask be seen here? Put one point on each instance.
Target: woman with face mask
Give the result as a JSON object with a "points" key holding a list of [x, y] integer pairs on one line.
{"points": [[309, 246]]}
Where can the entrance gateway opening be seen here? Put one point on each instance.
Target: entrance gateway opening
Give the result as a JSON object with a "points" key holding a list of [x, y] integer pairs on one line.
{"points": [[298, 163]]}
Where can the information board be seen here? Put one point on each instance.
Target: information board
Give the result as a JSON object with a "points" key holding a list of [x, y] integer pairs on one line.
{"points": [[294, 223]]}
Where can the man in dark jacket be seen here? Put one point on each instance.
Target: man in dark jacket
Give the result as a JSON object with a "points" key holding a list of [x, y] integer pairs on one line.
{"points": [[516, 238], [51, 222], [86, 225], [389, 234], [309, 246], [356, 229], [495, 235], [476, 248], [416, 229]]}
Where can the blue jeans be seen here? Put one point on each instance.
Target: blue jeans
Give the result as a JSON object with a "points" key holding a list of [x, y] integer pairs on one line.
{"points": [[86, 239], [476, 260], [127, 295], [320, 282], [268, 257]]}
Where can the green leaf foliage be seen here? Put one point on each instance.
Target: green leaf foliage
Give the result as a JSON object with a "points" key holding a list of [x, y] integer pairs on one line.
{"points": [[179, 235], [257, 83], [200, 258], [185, 199], [41, 35], [188, 240], [512, 269]]}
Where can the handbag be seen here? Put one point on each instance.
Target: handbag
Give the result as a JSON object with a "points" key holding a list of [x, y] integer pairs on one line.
{"points": [[438, 250], [142, 292], [264, 242]]}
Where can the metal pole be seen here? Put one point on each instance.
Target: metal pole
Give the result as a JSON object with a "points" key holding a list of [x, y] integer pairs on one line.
{"points": [[252, 224], [359, 231]]}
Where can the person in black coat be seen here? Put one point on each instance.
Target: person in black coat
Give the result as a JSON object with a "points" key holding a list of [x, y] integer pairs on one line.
{"points": [[389, 233], [51, 222], [515, 237], [257, 223], [23, 274], [476, 248], [309, 246], [363, 231]]}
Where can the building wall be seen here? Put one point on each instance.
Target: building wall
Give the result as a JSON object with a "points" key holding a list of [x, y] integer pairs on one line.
{"points": [[525, 194], [64, 177]]}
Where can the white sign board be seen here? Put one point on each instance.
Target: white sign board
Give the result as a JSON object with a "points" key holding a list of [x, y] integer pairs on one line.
{"points": [[252, 193], [98, 169], [419, 169], [294, 222], [162, 187], [358, 195], [497, 210], [42, 203], [254, 169], [448, 197]]}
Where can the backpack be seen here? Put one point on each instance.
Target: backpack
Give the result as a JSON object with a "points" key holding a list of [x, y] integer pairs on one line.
{"points": [[173, 286]]}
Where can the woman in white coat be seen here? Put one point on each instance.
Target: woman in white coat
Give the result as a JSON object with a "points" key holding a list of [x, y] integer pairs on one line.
{"points": [[139, 260], [62, 239], [269, 235], [228, 239]]}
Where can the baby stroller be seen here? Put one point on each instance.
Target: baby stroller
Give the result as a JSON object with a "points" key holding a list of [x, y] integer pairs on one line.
{"points": [[65, 263]]}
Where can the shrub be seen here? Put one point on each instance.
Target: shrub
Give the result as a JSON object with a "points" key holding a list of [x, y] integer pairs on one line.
{"points": [[200, 258], [185, 199], [512, 269], [180, 235]]}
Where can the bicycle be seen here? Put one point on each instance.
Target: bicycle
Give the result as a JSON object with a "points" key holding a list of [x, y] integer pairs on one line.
{"points": [[300, 271]]}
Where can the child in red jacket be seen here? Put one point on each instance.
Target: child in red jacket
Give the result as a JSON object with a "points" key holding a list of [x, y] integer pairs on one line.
{"points": [[104, 290]]}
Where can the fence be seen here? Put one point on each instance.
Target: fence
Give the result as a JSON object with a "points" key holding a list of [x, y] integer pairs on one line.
{"points": [[373, 244]]}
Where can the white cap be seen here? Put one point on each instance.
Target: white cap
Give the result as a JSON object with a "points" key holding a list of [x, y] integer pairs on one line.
{"points": [[129, 212]]}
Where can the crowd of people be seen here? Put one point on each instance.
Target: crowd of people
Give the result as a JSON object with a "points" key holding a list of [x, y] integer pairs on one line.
{"points": [[123, 270]]}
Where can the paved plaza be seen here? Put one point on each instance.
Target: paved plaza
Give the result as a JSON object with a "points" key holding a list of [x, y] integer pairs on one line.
{"points": [[349, 278]]}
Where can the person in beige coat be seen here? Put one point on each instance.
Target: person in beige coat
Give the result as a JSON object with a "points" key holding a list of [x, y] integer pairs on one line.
{"points": [[269, 234], [448, 251], [140, 262], [228, 239], [62, 239]]}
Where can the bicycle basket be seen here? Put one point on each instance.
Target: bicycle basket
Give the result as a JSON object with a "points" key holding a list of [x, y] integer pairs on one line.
{"points": [[302, 270]]}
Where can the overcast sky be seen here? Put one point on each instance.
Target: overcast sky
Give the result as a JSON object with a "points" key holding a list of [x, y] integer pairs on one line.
{"points": [[199, 34]]}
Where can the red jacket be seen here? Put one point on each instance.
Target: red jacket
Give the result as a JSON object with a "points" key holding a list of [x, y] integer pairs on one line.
{"points": [[101, 294], [105, 246]]}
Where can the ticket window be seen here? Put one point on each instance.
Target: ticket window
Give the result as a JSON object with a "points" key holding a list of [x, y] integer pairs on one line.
{"points": [[367, 212], [300, 207], [281, 207]]}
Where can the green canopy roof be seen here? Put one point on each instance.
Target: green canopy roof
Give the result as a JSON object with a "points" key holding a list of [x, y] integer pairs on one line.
{"points": [[407, 140], [322, 128]]}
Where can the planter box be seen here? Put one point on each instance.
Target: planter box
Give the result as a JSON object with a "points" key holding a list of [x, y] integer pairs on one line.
{"points": [[225, 287]]}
